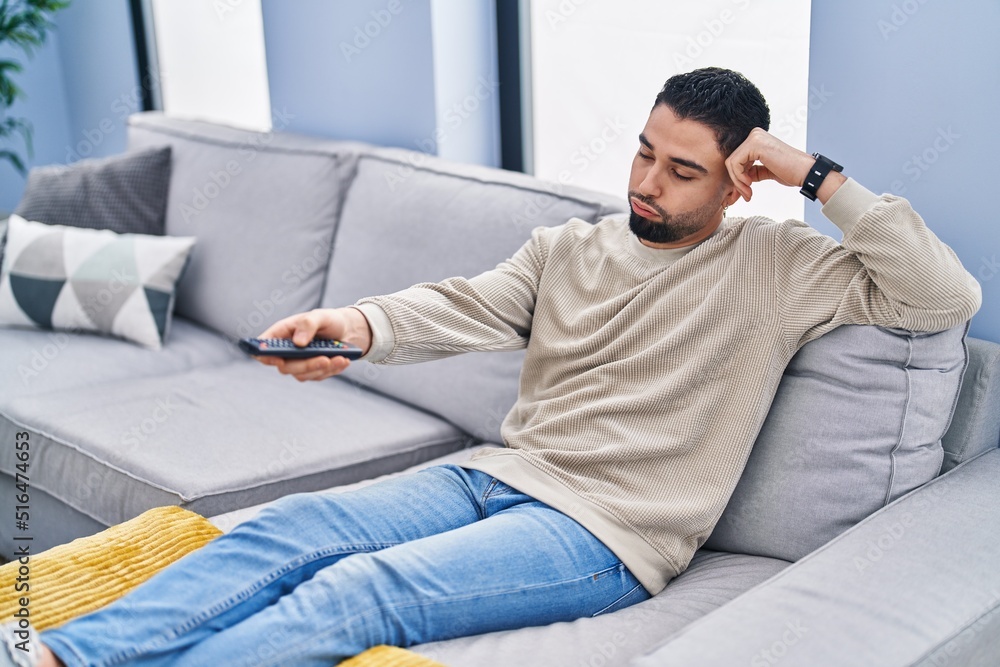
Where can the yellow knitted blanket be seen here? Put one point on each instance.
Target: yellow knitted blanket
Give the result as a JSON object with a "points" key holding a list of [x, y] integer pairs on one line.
{"points": [[74, 579]]}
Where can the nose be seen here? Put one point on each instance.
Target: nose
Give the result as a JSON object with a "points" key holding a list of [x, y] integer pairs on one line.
{"points": [[650, 185]]}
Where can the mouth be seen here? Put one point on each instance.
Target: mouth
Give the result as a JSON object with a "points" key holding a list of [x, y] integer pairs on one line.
{"points": [[642, 210]]}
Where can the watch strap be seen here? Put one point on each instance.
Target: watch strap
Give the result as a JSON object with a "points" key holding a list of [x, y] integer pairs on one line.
{"points": [[817, 174]]}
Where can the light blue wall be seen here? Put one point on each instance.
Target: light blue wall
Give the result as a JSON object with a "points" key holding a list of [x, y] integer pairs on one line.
{"points": [[912, 90], [45, 107], [97, 52], [80, 85], [374, 70], [467, 91], [357, 69]]}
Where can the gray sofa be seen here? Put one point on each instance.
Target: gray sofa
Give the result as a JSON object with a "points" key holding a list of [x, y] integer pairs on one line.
{"points": [[863, 530]]}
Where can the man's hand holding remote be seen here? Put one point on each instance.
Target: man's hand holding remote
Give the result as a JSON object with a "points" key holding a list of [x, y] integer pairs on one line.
{"points": [[345, 324]]}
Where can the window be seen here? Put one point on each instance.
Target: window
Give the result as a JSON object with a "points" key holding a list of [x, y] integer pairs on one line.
{"points": [[211, 61], [596, 68]]}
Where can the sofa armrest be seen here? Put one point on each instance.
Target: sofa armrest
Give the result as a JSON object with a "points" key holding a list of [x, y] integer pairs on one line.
{"points": [[916, 583]]}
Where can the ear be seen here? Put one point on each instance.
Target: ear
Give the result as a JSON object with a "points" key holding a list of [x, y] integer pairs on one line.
{"points": [[732, 195]]}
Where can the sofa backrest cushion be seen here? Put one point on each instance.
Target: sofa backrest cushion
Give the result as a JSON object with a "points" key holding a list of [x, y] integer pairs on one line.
{"points": [[856, 422], [976, 426], [263, 207], [411, 218]]}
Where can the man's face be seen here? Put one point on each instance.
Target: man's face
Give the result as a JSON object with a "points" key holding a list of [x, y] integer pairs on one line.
{"points": [[679, 182]]}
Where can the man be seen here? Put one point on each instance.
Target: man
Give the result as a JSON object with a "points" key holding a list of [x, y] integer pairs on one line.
{"points": [[655, 343]]}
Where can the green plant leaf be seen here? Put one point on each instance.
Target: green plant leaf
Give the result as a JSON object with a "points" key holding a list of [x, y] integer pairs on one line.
{"points": [[23, 24], [15, 160]]}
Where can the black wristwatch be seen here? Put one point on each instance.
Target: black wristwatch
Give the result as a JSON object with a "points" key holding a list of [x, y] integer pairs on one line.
{"points": [[814, 178]]}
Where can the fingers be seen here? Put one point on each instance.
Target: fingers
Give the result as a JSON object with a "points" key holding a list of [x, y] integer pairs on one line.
{"points": [[303, 370], [760, 157], [305, 328], [282, 328], [301, 328], [736, 166]]}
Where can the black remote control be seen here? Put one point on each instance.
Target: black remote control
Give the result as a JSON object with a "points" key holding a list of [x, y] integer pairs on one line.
{"points": [[284, 347]]}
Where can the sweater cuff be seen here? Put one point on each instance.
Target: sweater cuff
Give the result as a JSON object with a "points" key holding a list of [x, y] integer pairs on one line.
{"points": [[851, 201], [383, 339]]}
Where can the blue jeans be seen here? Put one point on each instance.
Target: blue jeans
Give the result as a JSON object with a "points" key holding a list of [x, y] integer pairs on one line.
{"points": [[316, 578]]}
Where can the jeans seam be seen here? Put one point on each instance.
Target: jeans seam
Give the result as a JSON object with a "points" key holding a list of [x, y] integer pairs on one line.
{"points": [[239, 598], [63, 644], [277, 660], [632, 590], [489, 489]]}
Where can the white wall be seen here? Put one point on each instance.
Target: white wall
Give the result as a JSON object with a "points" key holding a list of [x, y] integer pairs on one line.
{"points": [[466, 91], [598, 65]]}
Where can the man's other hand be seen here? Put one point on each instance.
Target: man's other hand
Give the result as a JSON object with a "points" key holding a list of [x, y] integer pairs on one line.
{"points": [[765, 157], [344, 324]]}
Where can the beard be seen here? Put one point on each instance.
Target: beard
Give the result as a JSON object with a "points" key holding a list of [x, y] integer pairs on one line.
{"points": [[670, 228]]}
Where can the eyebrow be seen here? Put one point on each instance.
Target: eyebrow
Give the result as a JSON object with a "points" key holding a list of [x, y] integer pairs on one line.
{"points": [[679, 160]]}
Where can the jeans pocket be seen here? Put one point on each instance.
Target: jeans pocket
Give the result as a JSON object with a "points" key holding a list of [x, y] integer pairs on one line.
{"points": [[635, 595]]}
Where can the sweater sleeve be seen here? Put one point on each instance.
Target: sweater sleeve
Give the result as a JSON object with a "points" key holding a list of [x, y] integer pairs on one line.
{"points": [[492, 311], [890, 270]]}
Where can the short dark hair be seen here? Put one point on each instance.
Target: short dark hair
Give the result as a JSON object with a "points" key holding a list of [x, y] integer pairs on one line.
{"points": [[722, 99]]}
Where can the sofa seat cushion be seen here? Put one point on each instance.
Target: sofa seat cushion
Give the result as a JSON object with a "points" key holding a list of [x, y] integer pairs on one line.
{"points": [[711, 580], [856, 422], [39, 362], [213, 439], [409, 218]]}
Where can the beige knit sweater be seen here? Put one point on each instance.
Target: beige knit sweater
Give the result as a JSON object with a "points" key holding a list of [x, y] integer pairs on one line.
{"points": [[648, 373]]}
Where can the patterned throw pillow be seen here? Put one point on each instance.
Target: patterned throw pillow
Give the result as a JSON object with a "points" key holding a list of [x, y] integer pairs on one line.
{"points": [[125, 193], [59, 277]]}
